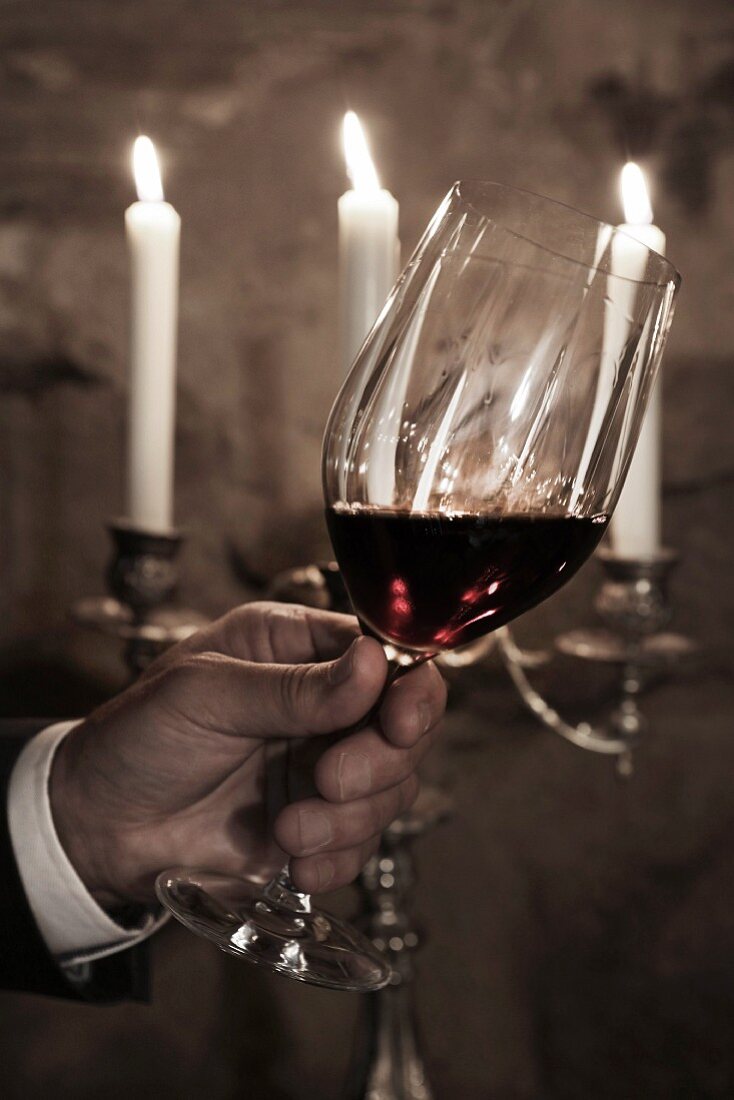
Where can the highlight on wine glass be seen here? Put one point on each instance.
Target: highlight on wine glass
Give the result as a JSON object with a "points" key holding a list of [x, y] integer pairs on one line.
{"points": [[470, 465], [477, 449]]}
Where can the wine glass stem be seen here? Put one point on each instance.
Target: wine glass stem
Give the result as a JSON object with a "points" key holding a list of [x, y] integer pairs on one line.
{"points": [[281, 891]]}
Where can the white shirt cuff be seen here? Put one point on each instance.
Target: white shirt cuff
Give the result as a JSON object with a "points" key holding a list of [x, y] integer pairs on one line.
{"points": [[75, 928]]}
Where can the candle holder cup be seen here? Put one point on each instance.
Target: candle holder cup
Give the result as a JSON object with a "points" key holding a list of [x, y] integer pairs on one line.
{"points": [[142, 572], [142, 578]]}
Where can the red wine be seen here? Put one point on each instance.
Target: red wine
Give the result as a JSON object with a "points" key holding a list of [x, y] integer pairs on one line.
{"points": [[425, 581]]}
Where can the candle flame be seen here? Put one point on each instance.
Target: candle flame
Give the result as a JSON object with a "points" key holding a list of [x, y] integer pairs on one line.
{"points": [[360, 166], [635, 195], [146, 171]]}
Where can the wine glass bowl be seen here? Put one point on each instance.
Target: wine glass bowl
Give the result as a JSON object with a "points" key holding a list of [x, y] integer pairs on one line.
{"points": [[479, 444]]}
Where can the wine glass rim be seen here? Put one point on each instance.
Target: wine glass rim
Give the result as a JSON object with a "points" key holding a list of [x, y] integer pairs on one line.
{"points": [[670, 273]]}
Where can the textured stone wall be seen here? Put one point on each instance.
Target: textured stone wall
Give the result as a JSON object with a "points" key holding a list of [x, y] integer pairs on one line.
{"points": [[584, 948]]}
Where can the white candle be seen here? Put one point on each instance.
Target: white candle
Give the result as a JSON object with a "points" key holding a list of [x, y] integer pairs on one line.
{"points": [[153, 229], [635, 527], [368, 243]]}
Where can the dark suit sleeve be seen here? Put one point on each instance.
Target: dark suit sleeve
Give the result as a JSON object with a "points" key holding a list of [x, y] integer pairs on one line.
{"points": [[25, 962]]}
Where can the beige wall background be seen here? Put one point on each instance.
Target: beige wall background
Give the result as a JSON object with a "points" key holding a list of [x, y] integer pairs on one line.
{"points": [[579, 935]]}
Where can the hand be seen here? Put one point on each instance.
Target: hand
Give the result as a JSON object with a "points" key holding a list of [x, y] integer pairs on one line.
{"points": [[174, 771]]}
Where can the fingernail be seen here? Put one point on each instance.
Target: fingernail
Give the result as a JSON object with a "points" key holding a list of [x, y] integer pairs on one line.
{"points": [[325, 871], [425, 717], [341, 670], [314, 830], [354, 775]]}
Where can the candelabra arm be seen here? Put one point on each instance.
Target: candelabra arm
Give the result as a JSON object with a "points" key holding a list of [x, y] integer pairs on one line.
{"points": [[634, 607], [471, 654], [583, 735]]}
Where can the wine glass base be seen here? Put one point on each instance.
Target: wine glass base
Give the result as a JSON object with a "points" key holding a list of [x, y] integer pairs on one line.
{"points": [[306, 945]]}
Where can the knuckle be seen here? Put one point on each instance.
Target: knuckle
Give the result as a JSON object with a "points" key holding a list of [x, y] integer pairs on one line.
{"points": [[252, 627], [238, 621], [258, 609], [290, 690], [268, 614]]}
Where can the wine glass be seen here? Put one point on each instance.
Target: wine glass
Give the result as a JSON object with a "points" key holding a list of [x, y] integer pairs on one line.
{"points": [[471, 463]]}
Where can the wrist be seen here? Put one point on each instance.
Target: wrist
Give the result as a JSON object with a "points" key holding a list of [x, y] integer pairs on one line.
{"points": [[80, 828]]}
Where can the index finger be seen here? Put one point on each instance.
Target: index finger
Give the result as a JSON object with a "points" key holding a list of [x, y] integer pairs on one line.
{"points": [[269, 632], [290, 633]]}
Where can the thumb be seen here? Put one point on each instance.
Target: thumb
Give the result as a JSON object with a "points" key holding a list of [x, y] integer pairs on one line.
{"points": [[244, 698]]}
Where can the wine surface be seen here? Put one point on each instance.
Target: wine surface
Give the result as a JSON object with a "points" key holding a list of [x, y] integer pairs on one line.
{"points": [[428, 582]]}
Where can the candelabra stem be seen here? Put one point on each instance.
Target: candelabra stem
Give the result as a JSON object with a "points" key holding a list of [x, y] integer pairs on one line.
{"points": [[392, 1068], [388, 1064]]}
